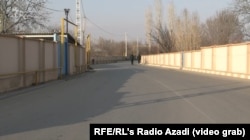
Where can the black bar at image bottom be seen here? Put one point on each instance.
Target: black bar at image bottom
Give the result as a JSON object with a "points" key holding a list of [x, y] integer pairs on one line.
{"points": [[170, 131]]}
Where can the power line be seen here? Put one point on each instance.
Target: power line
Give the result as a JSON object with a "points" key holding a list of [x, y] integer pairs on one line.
{"points": [[70, 17], [55, 10], [83, 11], [43, 6], [84, 16], [102, 28], [93, 23]]}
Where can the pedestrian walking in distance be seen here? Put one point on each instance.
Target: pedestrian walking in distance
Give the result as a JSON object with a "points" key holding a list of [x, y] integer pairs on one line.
{"points": [[132, 59], [139, 59]]}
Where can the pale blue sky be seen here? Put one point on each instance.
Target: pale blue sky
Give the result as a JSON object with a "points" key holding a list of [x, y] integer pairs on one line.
{"points": [[120, 16]]}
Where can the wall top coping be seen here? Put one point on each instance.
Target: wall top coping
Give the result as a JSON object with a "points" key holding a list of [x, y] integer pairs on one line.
{"points": [[226, 45]]}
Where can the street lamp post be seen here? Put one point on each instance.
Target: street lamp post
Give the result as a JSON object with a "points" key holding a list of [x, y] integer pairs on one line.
{"points": [[67, 16], [67, 41]]}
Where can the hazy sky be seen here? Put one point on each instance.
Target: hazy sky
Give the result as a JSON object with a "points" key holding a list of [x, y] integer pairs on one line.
{"points": [[116, 17]]}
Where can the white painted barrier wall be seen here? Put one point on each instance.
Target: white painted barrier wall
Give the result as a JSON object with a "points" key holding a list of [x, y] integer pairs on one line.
{"points": [[239, 59], [231, 60], [207, 58]]}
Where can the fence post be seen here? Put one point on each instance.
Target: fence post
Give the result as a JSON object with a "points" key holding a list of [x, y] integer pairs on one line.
{"points": [[62, 48], [42, 68], [182, 60], [213, 59], [169, 60], [36, 77], [202, 59], [54, 55], [44, 62], [20, 57], [229, 59], [248, 59], [175, 63], [40, 56], [192, 59], [23, 60]]}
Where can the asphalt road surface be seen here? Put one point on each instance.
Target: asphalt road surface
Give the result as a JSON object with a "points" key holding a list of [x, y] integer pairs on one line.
{"points": [[121, 93]]}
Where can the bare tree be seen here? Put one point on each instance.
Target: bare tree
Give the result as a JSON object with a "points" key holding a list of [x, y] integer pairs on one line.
{"points": [[158, 24], [158, 11], [181, 33], [22, 14], [195, 39], [156, 31], [53, 28], [149, 26], [107, 47], [162, 37], [223, 28], [185, 29], [205, 38], [171, 23], [242, 9]]}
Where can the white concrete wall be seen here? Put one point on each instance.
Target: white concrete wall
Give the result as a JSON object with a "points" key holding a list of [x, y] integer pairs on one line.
{"points": [[188, 59], [207, 62], [239, 59], [72, 68], [230, 60], [178, 59], [171, 59], [32, 55], [166, 59], [25, 62], [50, 61], [9, 63], [196, 56], [50, 55], [161, 59], [221, 54], [9, 55]]}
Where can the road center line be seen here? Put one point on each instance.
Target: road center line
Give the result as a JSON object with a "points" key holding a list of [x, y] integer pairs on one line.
{"points": [[185, 99]]}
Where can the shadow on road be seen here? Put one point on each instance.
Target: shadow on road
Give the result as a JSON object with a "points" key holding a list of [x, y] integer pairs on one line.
{"points": [[220, 91], [80, 99], [68, 102]]}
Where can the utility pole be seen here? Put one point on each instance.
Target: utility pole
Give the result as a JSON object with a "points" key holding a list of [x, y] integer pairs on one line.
{"points": [[1, 22], [126, 45], [67, 40], [67, 19], [137, 47], [80, 23]]}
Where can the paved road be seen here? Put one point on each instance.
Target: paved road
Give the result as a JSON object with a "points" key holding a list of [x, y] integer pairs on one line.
{"points": [[121, 93]]}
